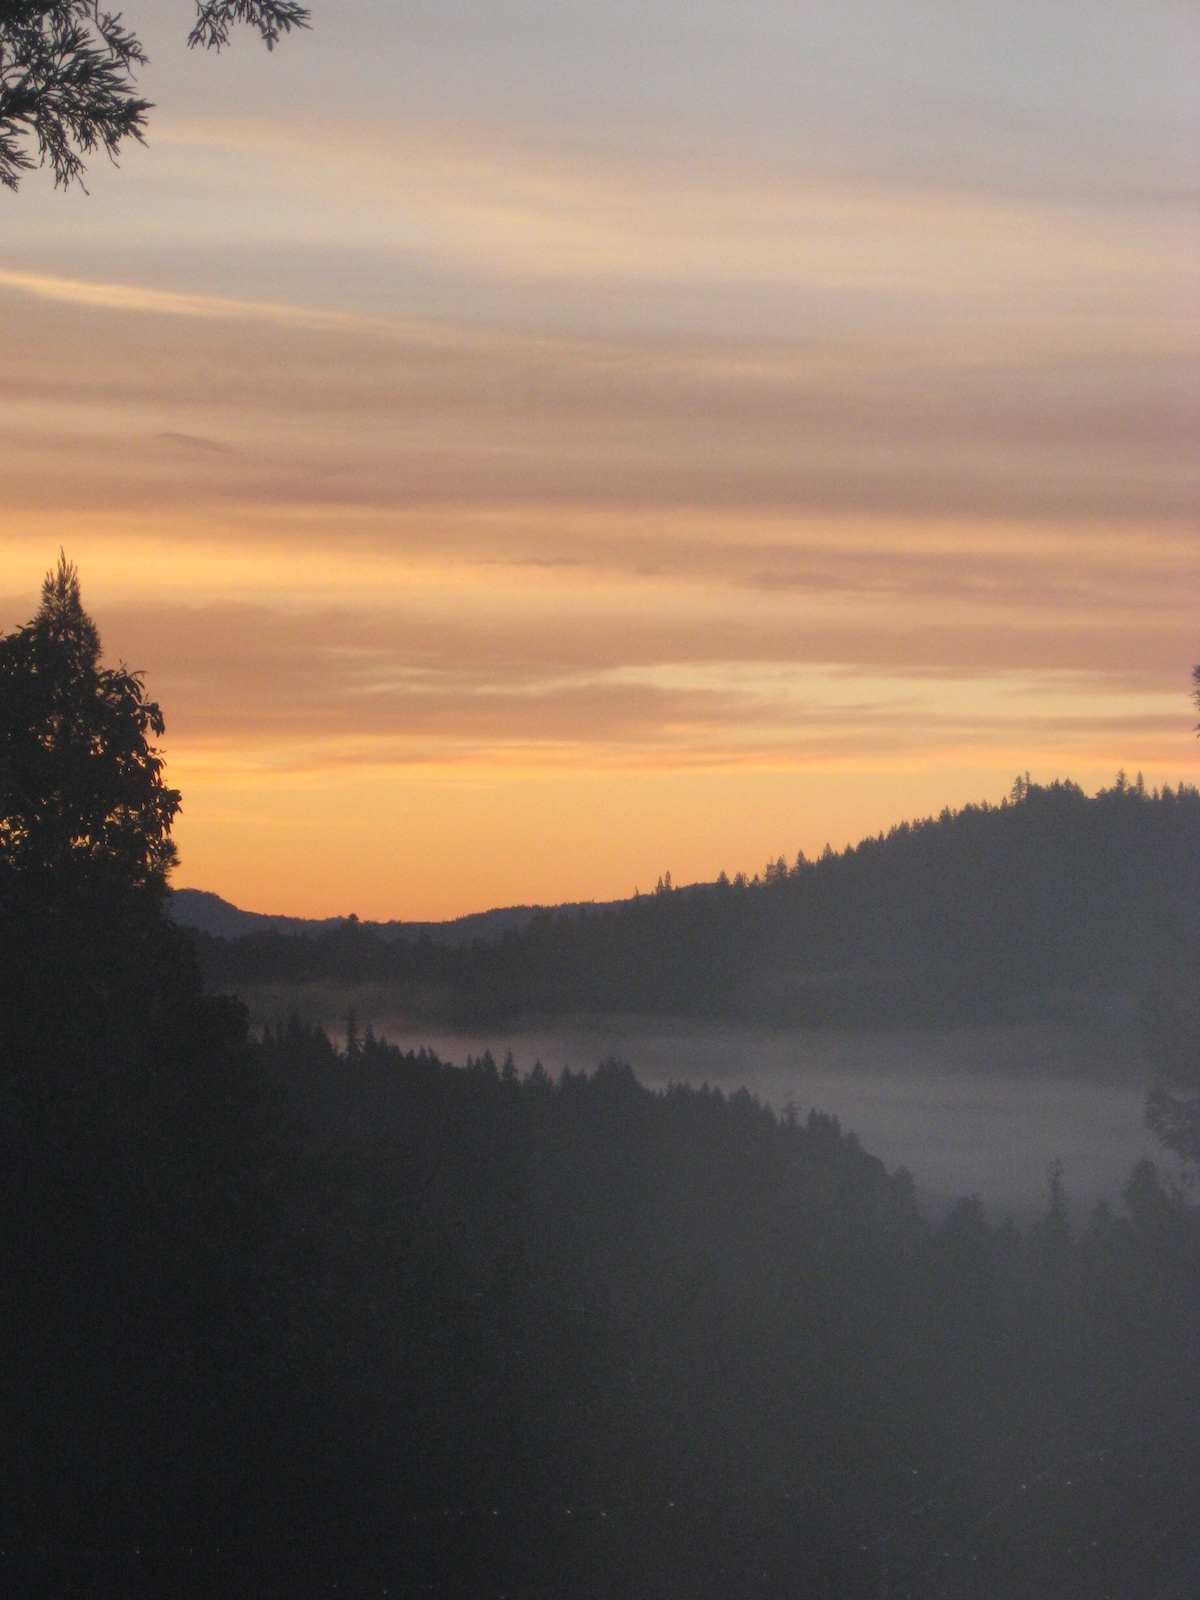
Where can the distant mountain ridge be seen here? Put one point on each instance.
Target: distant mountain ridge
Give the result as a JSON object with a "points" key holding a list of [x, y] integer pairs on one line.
{"points": [[1048, 904], [209, 913]]}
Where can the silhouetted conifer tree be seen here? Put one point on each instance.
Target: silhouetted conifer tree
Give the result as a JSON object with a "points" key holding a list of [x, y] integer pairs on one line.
{"points": [[85, 833], [133, 1167]]}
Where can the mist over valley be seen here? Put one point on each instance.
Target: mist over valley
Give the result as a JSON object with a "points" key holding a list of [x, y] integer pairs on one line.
{"points": [[498, 476], [964, 994]]}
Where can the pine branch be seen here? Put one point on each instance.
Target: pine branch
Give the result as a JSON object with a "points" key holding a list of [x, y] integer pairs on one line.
{"points": [[272, 18], [68, 77]]}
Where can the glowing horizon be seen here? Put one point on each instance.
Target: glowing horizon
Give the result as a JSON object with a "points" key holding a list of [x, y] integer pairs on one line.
{"points": [[529, 459]]}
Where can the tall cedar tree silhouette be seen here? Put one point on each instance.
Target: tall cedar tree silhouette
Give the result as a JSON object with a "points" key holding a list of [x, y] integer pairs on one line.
{"points": [[85, 820], [82, 790], [132, 1164], [68, 72]]}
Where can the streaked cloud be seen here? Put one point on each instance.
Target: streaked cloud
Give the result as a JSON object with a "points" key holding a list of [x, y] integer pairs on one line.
{"points": [[601, 439], [351, 412]]}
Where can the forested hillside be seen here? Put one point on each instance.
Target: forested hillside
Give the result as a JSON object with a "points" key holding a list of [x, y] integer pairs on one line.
{"points": [[307, 1322], [208, 913], [278, 1319], [1050, 900]]}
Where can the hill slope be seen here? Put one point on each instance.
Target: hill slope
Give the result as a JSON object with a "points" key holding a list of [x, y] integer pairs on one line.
{"points": [[206, 912], [991, 911]]}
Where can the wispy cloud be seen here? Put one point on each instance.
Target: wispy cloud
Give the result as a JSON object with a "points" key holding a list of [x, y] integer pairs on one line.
{"points": [[788, 416], [342, 410], [168, 303]]}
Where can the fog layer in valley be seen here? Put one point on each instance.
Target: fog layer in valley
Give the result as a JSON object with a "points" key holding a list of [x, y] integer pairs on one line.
{"points": [[972, 1110]]}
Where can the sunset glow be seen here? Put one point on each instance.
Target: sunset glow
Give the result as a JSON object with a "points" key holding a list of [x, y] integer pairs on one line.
{"points": [[531, 452]]}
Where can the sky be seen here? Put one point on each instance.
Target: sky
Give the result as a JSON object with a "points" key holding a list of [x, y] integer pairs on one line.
{"points": [[532, 447]]}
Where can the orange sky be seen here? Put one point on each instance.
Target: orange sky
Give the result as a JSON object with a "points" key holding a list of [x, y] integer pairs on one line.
{"points": [[513, 495]]}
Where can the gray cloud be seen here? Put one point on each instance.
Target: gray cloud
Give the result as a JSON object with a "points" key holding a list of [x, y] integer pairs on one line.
{"points": [[336, 417], [676, 383], [370, 686]]}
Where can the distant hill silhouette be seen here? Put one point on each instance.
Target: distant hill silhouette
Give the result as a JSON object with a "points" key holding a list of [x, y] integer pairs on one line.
{"points": [[209, 913], [282, 1319], [1047, 901]]}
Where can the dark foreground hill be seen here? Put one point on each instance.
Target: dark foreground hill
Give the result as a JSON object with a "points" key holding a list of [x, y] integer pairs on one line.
{"points": [[1050, 901], [278, 1320], [381, 1326]]}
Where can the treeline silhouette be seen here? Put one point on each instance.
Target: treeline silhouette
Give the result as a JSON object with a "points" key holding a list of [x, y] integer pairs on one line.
{"points": [[1047, 901], [279, 1319], [301, 1320]]}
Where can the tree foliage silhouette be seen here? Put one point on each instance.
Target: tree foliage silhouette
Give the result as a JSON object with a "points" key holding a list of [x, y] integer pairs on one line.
{"points": [[85, 837], [133, 1156], [68, 74], [82, 795]]}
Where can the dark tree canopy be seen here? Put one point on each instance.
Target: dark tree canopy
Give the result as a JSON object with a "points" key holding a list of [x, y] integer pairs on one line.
{"points": [[82, 795], [68, 76], [87, 951]]}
